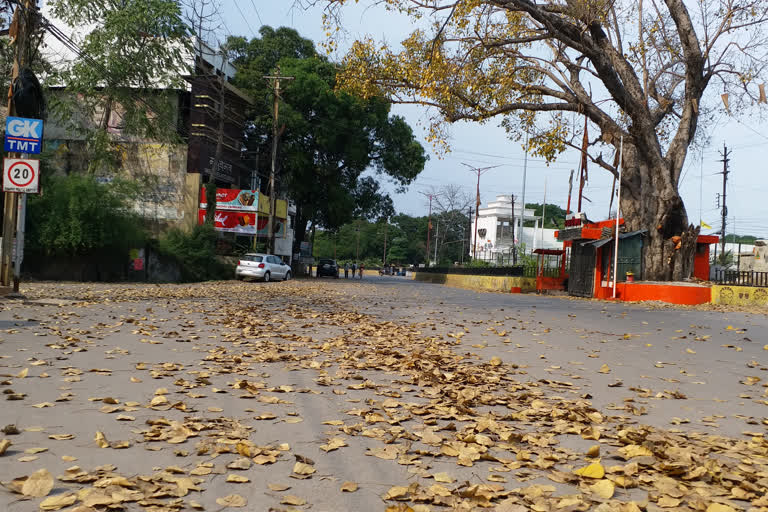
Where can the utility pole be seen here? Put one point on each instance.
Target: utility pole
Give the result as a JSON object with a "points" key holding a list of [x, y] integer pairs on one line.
{"points": [[357, 252], [272, 171], [469, 231], [386, 225], [429, 218], [512, 225], [525, 172], [437, 234], [480, 171], [20, 31], [725, 172]]}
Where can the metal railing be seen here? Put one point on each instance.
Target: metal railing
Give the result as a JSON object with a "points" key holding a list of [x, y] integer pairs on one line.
{"points": [[740, 278]]}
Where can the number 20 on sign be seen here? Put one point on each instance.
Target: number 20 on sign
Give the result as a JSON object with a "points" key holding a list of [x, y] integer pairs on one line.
{"points": [[21, 175]]}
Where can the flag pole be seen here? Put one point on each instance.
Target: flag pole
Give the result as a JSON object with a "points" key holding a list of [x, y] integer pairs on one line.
{"points": [[618, 216]]}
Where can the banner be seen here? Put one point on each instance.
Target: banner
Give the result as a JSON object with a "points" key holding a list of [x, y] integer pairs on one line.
{"points": [[263, 203], [232, 199], [243, 223], [232, 222], [281, 209]]}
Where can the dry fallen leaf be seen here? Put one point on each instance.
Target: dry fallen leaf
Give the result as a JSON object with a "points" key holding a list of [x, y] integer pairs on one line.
{"points": [[237, 479], [301, 468], [719, 507], [232, 500], [289, 499], [348, 487], [443, 478], [278, 487], [23, 373], [101, 440], [58, 502], [603, 488], [333, 444], [594, 470], [605, 369], [4, 445], [38, 484]]}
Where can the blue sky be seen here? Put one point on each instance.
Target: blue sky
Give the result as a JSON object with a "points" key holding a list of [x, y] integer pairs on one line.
{"points": [[485, 145]]}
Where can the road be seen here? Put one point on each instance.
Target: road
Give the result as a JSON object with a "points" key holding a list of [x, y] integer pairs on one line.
{"points": [[381, 394]]}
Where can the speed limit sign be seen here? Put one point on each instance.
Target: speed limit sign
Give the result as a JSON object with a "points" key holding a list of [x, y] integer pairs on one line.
{"points": [[21, 175]]}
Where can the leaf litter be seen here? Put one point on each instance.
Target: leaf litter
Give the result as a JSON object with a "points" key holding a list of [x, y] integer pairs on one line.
{"points": [[439, 405]]}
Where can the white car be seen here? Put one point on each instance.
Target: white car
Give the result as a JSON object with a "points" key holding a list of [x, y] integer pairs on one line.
{"points": [[265, 267]]}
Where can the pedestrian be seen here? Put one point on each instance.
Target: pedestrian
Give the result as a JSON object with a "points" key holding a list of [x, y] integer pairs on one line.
{"points": [[346, 270], [354, 269], [361, 271]]}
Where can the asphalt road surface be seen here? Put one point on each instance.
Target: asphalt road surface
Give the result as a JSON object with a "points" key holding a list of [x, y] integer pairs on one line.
{"points": [[380, 394]]}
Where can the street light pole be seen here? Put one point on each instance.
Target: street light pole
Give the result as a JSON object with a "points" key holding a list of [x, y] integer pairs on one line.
{"points": [[429, 218], [479, 171]]}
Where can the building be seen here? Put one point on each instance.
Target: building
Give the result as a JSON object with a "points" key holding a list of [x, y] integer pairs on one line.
{"points": [[498, 231]]}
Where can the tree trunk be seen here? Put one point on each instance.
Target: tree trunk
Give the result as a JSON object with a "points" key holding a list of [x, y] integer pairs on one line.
{"points": [[650, 201], [299, 230]]}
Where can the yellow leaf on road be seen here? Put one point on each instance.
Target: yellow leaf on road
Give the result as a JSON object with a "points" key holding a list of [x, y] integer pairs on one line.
{"points": [[633, 450], [348, 487], [101, 440], [38, 484], [719, 507], [301, 468], [237, 479], [23, 373], [603, 488], [605, 369], [4, 444], [289, 499], [58, 502], [594, 470], [233, 500]]}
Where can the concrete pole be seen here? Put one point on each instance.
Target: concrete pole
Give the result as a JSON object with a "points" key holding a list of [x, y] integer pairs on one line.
{"points": [[618, 216]]}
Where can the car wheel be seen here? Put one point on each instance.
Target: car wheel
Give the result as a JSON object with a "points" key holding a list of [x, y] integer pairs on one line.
{"points": [[287, 276], [266, 277]]}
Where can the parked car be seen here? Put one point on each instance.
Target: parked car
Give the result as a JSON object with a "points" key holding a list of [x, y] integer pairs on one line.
{"points": [[265, 267], [327, 268]]}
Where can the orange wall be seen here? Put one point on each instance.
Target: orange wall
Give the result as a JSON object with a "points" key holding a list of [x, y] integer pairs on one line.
{"points": [[664, 292], [701, 263]]}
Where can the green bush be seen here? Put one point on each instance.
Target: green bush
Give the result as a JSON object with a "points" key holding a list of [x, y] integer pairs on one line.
{"points": [[195, 253], [76, 215]]}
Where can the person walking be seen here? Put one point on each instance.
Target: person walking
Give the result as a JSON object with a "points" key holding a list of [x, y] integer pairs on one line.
{"points": [[346, 270], [361, 271], [354, 269]]}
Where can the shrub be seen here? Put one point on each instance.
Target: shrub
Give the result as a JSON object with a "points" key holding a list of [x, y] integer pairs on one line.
{"points": [[195, 253], [77, 215]]}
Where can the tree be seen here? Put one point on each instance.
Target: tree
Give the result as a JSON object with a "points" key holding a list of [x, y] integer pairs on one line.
{"points": [[555, 215], [450, 221], [330, 139], [134, 49], [638, 73]]}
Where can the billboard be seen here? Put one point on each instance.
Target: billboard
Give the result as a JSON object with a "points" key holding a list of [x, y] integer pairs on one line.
{"points": [[233, 199]]}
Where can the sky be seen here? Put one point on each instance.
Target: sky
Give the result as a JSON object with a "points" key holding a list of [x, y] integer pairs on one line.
{"points": [[489, 145]]}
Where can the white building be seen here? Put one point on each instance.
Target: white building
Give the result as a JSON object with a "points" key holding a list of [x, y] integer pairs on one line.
{"points": [[496, 224]]}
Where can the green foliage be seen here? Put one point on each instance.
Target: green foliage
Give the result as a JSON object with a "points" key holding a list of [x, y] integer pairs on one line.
{"points": [[555, 215], [330, 139], [478, 264], [406, 238], [76, 215], [134, 47], [195, 253], [741, 239]]}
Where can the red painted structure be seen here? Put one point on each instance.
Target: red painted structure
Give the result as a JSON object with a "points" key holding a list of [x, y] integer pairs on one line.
{"points": [[550, 282], [676, 293]]}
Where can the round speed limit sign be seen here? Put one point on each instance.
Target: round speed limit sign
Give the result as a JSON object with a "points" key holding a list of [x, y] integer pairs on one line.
{"points": [[21, 175]]}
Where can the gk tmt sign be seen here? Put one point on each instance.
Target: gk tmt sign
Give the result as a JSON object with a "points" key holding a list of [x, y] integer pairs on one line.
{"points": [[23, 135]]}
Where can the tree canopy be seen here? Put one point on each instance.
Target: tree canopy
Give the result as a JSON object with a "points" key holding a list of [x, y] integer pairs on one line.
{"points": [[638, 71], [330, 138], [132, 51]]}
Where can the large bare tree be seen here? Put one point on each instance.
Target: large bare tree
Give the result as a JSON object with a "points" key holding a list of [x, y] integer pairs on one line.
{"points": [[639, 71]]}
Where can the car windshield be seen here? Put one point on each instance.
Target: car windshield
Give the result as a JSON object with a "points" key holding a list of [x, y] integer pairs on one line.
{"points": [[252, 257], [327, 262]]}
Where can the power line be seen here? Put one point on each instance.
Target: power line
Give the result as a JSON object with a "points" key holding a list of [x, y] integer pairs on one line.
{"points": [[256, 10], [253, 32]]}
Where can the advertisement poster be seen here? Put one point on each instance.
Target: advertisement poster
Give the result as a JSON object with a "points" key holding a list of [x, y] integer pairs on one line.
{"points": [[232, 199], [241, 223]]}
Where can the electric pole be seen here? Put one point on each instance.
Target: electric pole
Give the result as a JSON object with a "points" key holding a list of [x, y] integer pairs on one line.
{"points": [[272, 171], [480, 171], [386, 224], [725, 172], [20, 32], [429, 218]]}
